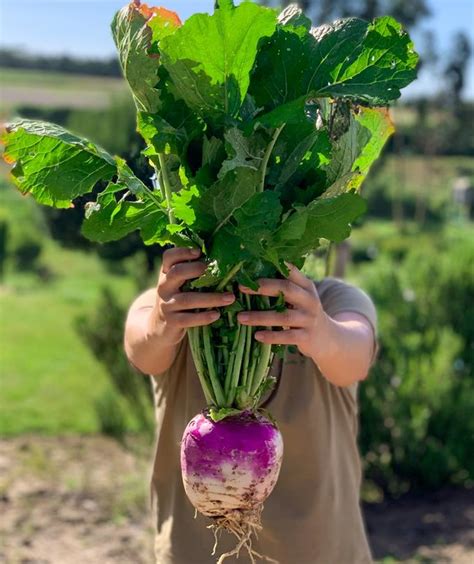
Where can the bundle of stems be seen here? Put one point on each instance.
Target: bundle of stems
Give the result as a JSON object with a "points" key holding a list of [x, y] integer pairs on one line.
{"points": [[232, 366]]}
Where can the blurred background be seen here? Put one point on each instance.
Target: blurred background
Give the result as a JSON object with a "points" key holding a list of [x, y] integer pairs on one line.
{"points": [[76, 424]]}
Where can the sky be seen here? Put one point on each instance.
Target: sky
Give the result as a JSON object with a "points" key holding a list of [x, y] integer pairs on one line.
{"points": [[81, 27]]}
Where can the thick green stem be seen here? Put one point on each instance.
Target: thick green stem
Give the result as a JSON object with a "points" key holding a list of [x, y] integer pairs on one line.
{"points": [[248, 345], [225, 350], [253, 366], [246, 361], [266, 157], [230, 366], [223, 283], [262, 367], [237, 366], [193, 337], [167, 187], [211, 366]]}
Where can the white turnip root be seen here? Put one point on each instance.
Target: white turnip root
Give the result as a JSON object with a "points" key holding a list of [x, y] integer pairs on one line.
{"points": [[229, 469]]}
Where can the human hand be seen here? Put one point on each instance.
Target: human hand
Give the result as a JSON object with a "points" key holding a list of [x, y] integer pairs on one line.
{"points": [[301, 321], [172, 314]]}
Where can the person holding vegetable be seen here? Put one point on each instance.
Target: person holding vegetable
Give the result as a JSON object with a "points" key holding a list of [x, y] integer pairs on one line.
{"points": [[260, 129], [313, 515]]}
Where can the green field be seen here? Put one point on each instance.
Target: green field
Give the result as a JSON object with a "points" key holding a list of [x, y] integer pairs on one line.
{"points": [[37, 78], [49, 378], [54, 89]]}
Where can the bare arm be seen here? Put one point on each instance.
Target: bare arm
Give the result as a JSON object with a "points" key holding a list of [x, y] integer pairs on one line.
{"points": [[342, 348], [158, 318]]}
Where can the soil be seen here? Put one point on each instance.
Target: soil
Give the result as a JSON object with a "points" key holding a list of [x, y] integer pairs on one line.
{"points": [[71, 500]]}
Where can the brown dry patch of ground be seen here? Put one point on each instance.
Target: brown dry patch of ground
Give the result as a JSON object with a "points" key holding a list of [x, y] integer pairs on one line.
{"points": [[71, 500], [436, 527]]}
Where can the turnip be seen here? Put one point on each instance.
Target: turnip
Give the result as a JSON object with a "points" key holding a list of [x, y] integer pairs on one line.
{"points": [[260, 130], [229, 469]]}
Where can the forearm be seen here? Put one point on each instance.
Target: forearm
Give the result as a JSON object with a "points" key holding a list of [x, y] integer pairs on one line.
{"points": [[343, 350], [144, 344]]}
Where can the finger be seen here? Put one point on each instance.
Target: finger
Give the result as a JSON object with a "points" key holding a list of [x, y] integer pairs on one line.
{"points": [[299, 278], [179, 273], [288, 318], [288, 337], [185, 320], [178, 254], [294, 294], [195, 300]]}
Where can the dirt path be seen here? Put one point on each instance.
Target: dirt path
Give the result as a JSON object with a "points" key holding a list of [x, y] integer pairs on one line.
{"points": [[78, 500]]}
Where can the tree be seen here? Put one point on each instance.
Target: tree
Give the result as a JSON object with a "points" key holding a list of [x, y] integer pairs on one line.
{"points": [[408, 12], [456, 68]]}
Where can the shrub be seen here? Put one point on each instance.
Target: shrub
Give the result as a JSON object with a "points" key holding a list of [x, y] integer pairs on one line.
{"points": [[111, 415], [26, 254], [103, 334], [417, 429]]}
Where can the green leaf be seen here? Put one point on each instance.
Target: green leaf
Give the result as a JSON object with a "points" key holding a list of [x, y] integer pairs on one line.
{"points": [[212, 148], [224, 4], [215, 206], [245, 236], [380, 125], [384, 63], [355, 151], [163, 136], [328, 219], [282, 71], [53, 165], [350, 58], [211, 276], [258, 217], [111, 220], [134, 27], [180, 203], [256, 220], [345, 151], [243, 151], [173, 126], [210, 57], [293, 16], [297, 150], [218, 414], [290, 113], [130, 181]]}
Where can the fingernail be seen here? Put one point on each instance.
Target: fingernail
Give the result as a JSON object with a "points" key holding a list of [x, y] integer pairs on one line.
{"points": [[215, 315], [258, 336], [243, 316], [228, 298], [195, 252]]}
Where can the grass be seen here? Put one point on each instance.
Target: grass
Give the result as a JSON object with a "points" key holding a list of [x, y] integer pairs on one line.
{"points": [[49, 378], [55, 89], [60, 80]]}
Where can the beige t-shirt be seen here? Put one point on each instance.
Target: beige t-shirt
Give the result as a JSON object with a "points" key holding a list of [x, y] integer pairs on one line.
{"points": [[313, 515]]}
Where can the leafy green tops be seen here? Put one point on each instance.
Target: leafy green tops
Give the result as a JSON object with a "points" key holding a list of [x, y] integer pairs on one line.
{"points": [[260, 129]]}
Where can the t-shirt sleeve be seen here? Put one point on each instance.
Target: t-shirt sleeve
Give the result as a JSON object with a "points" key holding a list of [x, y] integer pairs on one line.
{"points": [[338, 296]]}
